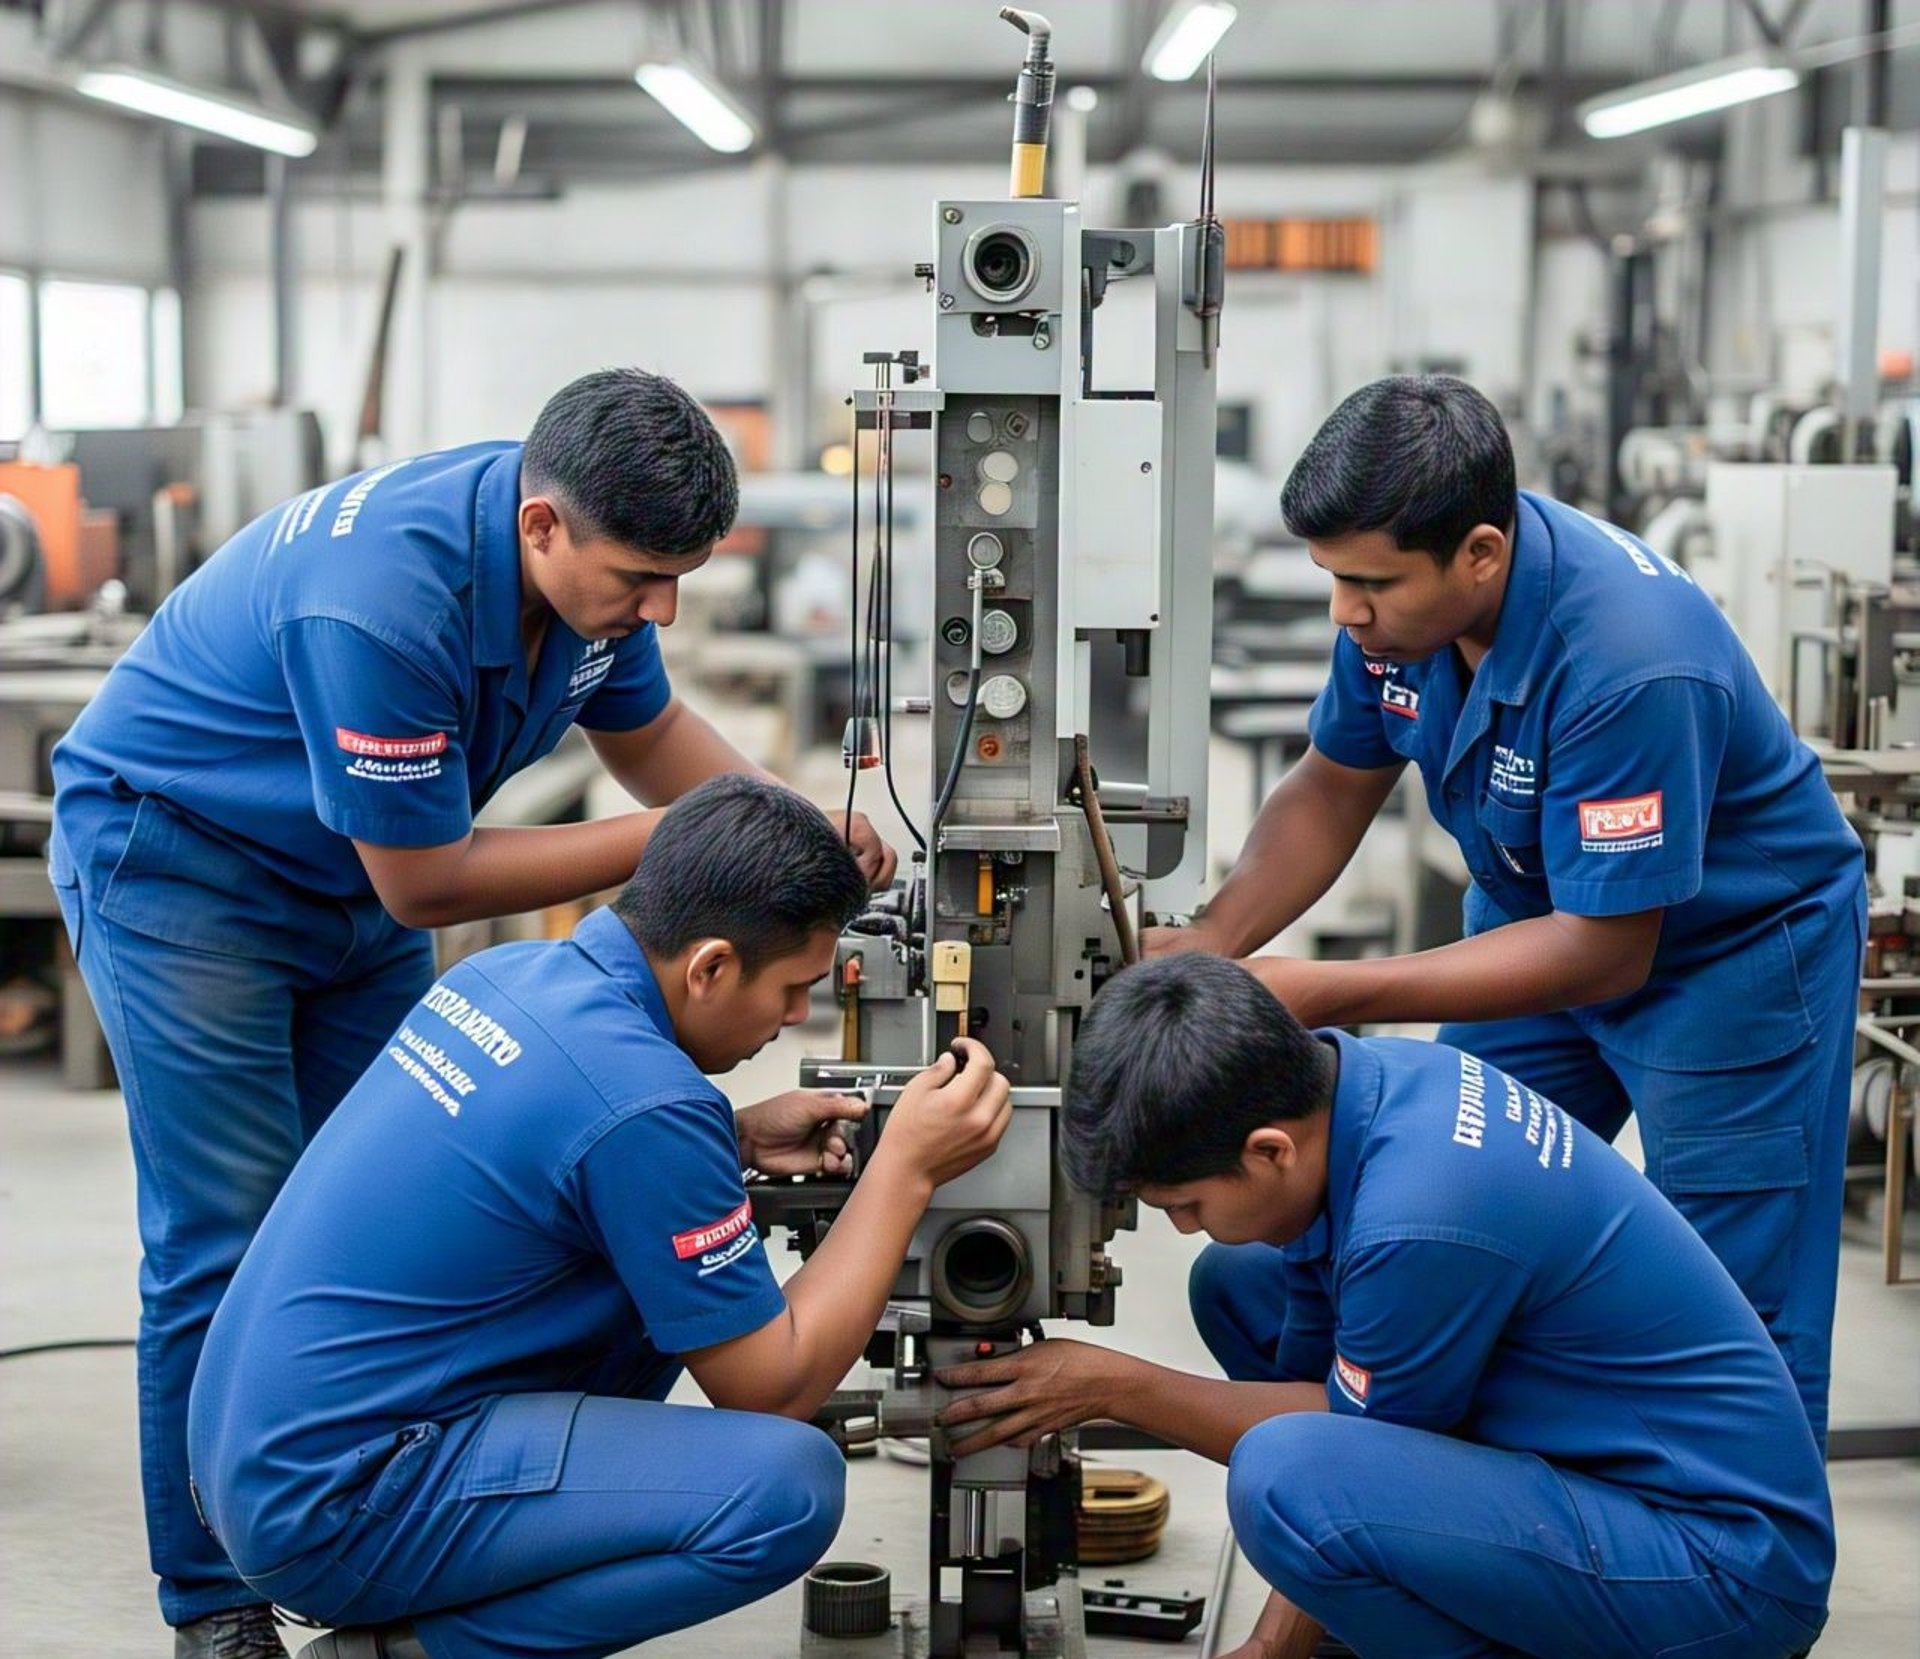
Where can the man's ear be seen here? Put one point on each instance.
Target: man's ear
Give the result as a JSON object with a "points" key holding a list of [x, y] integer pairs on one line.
{"points": [[1484, 547], [713, 967], [1269, 1147], [539, 521]]}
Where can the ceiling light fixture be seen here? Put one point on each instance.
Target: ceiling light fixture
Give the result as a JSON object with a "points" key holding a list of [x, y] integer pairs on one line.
{"points": [[1188, 32], [1712, 86], [698, 104], [146, 93]]}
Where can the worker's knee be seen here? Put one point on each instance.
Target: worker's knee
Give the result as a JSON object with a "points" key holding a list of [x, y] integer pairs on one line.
{"points": [[790, 1507], [1276, 1486], [1238, 1304]]}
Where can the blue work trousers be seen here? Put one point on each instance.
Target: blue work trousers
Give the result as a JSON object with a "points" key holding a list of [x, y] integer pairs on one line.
{"points": [[1754, 1157], [1411, 1545], [235, 1033], [569, 1526]]}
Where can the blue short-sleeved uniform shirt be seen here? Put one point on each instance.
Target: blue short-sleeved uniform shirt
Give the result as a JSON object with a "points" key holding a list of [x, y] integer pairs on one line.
{"points": [[350, 666], [1615, 752], [1488, 1268], [532, 1189]]}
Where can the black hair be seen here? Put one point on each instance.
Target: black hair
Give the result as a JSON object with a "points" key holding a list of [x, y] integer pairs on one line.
{"points": [[741, 859], [1424, 457], [633, 458], [1176, 1064]]}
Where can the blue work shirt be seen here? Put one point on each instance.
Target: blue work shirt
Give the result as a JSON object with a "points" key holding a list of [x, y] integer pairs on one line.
{"points": [[532, 1189], [1615, 752], [1490, 1269], [348, 667]]}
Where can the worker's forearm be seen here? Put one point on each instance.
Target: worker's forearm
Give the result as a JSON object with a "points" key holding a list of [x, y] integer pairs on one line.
{"points": [[835, 1302], [665, 759], [505, 871], [1535, 966], [1199, 1413], [1303, 838], [1284, 1632]]}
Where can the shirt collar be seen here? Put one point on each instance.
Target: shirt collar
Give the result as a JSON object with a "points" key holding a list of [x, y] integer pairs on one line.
{"points": [[496, 563], [1356, 1097], [608, 940], [1509, 665]]}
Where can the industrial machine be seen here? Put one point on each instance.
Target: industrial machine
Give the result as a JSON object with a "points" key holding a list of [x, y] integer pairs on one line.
{"points": [[1072, 540]]}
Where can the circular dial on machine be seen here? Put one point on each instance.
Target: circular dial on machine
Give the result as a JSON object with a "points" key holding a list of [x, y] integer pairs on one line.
{"points": [[985, 550], [1002, 697], [998, 633]]}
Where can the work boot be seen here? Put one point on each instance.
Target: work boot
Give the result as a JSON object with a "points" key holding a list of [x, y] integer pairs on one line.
{"points": [[233, 1633], [386, 1641]]}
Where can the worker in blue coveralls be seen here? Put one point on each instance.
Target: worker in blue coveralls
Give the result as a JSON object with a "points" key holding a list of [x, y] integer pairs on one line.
{"points": [[274, 794], [431, 1408], [1667, 911], [1515, 1407]]}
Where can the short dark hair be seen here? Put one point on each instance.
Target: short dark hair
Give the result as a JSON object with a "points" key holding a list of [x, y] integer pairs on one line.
{"points": [[1424, 457], [1178, 1061], [632, 457], [741, 859]]}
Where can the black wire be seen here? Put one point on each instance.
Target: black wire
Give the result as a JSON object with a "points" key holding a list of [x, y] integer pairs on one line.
{"points": [[959, 751], [886, 740], [78, 1344], [853, 634]]}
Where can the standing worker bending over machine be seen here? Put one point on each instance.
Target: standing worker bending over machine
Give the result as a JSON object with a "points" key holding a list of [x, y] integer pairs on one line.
{"points": [[1516, 1407], [276, 788], [433, 1390], [1667, 910]]}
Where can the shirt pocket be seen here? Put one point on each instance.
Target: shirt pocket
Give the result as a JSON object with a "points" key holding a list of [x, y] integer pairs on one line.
{"points": [[1514, 832]]}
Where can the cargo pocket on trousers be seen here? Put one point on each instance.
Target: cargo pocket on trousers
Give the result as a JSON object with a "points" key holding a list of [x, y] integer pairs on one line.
{"points": [[522, 1445], [1743, 1193]]}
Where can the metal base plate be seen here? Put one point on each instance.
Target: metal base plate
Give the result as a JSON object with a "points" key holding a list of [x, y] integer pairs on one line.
{"points": [[1055, 1630]]}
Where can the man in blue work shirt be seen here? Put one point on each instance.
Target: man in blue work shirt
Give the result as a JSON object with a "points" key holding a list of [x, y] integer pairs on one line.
{"points": [[1515, 1406], [430, 1405], [1667, 910], [276, 789]]}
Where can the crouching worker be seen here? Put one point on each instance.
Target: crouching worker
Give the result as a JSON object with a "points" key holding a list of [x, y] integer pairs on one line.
{"points": [[1518, 1408], [430, 1412]]}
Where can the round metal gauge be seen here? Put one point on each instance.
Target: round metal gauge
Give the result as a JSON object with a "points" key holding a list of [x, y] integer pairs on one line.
{"points": [[985, 551], [1002, 697], [979, 426], [998, 633]]}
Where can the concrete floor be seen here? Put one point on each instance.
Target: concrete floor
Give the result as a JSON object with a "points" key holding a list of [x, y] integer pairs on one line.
{"points": [[72, 1552]]}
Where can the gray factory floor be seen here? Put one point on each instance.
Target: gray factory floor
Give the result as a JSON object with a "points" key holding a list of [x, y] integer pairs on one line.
{"points": [[72, 1554]]}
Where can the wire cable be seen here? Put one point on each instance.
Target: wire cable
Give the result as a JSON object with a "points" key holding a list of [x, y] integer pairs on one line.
{"points": [[76, 1345], [886, 727], [853, 636]]}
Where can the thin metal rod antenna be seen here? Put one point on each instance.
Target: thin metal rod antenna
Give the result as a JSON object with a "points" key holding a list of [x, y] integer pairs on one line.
{"points": [[1206, 149]]}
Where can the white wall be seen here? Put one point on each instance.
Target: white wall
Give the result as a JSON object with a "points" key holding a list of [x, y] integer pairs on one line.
{"points": [[81, 194], [673, 276]]}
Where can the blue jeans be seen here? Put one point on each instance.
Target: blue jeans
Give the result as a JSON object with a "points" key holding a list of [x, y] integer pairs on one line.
{"points": [[1412, 1545], [238, 1013], [569, 1526], [1754, 1157]]}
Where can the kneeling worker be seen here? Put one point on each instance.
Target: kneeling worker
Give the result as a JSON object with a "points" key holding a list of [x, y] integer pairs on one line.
{"points": [[434, 1391], [1518, 1407]]}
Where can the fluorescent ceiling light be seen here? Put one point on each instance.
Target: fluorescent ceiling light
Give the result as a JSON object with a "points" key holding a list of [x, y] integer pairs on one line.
{"points": [[148, 94], [1713, 86], [1189, 31], [698, 105]]}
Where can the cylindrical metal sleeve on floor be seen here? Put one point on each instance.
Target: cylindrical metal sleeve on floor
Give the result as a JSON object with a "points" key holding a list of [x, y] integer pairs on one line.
{"points": [[848, 1598]]}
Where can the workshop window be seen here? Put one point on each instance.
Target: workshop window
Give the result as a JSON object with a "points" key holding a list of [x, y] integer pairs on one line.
{"points": [[95, 358], [16, 362], [169, 365]]}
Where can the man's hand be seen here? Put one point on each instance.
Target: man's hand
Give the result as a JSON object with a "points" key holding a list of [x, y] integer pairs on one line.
{"points": [[1181, 941], [948, 1119], [875, 858], [1049, 1386], [797, 1133]]}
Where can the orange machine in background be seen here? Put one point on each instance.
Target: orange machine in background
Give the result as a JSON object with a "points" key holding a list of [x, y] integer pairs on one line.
{"points": [[82, 546]]}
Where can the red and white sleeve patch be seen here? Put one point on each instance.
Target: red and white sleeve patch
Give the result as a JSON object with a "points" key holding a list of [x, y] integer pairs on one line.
{"points": [[1354, 1380], [390, 748], [698, 1241], [1622, 825]]}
